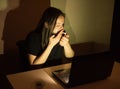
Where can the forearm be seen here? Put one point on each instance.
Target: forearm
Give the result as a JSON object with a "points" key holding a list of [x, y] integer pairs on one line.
{"points": [[53, 40], [43, 57], [69, 52]]}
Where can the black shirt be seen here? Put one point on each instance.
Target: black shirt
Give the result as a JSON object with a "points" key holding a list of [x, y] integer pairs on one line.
{"points": [[33, 42]]}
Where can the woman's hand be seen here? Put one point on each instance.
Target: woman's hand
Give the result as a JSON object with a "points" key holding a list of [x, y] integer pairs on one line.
{"points": [[64, 40], [68, 51], [55, 39]]}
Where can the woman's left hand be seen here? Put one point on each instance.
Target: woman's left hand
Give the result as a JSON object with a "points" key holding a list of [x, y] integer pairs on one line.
{"points": [[64, 40]]}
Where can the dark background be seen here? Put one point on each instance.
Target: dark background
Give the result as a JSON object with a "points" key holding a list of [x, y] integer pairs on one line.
{"points": [[18, 23], [23, 19]]}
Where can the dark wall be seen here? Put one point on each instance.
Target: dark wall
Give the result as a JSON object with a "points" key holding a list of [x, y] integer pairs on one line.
{"points": [[18, 23], [115, 34]]}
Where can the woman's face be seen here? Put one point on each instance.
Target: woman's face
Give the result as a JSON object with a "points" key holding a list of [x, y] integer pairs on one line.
{"points": [[59, 24]]}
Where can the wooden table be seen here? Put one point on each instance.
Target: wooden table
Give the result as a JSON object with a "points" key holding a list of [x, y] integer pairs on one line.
{"points": [[32, 80], [29, 79]]}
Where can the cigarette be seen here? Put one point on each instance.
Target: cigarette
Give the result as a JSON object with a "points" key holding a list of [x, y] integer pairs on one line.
{"points": [[64, 33]]}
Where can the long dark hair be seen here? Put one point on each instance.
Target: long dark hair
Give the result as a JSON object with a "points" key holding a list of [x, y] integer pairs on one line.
{"points": [[50, 16]]}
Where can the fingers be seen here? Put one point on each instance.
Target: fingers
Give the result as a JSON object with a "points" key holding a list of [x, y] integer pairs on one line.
{"points": [[60, 34], [64, 39], [67, 36], [52, 36]]}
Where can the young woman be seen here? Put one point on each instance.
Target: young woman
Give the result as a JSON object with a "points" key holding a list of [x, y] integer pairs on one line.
{"points": [[48, 42]]}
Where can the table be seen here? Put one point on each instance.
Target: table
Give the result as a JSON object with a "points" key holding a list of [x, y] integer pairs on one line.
{"points": [[29, 79], [32, 80]]}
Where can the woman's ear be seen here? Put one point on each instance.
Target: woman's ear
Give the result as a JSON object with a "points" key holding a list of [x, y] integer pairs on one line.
{"points": [[46, 24]]}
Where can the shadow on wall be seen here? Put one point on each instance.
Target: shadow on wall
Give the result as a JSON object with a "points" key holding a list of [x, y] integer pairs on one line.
{"points": [[19, 21]]}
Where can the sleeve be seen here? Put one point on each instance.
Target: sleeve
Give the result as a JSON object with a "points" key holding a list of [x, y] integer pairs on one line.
{"points": [[33, 44]]}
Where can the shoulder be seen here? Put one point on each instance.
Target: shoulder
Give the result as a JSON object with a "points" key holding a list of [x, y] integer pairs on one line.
{"points": [[33, 38], [33, 43]]}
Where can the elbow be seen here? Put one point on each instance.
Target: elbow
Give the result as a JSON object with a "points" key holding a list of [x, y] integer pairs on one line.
{"points": [[33, 60], [37, 63]]}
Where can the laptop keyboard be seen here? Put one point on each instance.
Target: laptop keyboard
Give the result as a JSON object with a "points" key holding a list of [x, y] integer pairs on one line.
{"points": [[63, 74]]}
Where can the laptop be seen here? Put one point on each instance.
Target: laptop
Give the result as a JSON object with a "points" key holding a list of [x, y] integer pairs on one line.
{"points": [[86, 68]]}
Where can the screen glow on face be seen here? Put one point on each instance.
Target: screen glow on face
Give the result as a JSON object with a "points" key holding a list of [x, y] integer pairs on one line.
{"points": [[59, 24]]}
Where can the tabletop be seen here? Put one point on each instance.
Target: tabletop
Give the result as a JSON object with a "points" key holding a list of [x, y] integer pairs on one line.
{"points": [[43, 79]]}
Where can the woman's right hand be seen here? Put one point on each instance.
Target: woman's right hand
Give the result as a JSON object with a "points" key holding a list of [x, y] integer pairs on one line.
{"points": [[55, 39]]}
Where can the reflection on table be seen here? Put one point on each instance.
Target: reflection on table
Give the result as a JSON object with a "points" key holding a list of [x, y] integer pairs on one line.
{"points": [[35, 79]]}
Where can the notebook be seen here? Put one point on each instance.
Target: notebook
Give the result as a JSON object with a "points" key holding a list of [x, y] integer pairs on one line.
{"points": [[86, 68]]}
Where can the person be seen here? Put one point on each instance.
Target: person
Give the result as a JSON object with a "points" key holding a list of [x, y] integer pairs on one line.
{"points": [[49, 42]]}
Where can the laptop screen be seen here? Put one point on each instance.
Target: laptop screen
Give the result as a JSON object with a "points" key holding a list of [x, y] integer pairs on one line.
{"points": [[92, 67]]}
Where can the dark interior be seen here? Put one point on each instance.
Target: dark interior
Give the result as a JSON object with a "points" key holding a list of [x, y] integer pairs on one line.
{"points": [[23, 19]]}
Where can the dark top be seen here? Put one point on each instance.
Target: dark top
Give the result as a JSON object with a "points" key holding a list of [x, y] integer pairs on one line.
{"points": [[33, 42]]}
